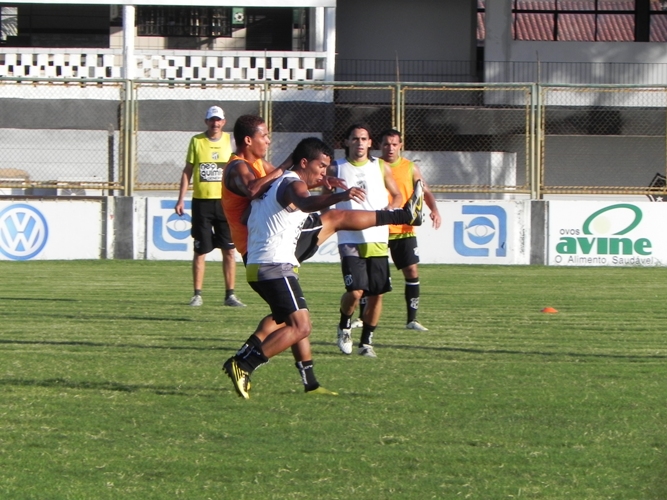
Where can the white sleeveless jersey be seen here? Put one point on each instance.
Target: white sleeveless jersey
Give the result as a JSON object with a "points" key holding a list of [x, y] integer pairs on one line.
{"points": [[273, 230], [369, 177]]}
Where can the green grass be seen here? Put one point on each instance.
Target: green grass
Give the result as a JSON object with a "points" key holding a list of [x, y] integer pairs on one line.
{"points": [[110, 387]]}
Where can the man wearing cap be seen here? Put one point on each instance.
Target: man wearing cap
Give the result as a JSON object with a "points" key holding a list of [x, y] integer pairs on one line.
{"points": [[208, 154]]}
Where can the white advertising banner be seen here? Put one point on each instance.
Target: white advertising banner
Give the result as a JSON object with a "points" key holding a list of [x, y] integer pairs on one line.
{"points": [[168, 234], [50, 229], [591, 233], [472, 232]]}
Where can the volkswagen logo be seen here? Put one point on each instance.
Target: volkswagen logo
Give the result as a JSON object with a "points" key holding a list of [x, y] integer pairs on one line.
{"points": [[23, 232]]}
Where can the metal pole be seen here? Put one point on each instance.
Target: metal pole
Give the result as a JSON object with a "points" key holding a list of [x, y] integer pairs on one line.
{"points": [[110, 158]]}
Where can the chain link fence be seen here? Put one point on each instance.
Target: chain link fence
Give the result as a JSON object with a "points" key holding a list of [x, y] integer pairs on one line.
{"points": [[60, 137], [602, 140], [91, 137], [168, 115], [470, 138]]}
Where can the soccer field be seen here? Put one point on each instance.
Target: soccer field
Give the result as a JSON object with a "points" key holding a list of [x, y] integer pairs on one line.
{"points": [[112, 388]]}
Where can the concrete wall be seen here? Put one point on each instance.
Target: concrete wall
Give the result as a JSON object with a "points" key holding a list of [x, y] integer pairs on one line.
{"points": [[417, 30]]}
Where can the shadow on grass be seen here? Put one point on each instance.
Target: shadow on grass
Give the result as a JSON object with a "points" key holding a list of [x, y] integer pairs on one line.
{"points": [[108, 386], [50, 299], [113, 317], [468, 350], [121, 346]]}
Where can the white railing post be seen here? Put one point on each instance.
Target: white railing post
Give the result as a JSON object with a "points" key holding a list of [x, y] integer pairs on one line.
{"points": [[129, 63]]}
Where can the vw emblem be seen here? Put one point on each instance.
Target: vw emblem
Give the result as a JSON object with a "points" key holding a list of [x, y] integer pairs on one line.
{"points": [[23, 232]]}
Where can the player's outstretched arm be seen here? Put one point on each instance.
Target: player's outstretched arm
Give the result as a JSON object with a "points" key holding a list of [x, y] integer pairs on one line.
{"points": [[297, 193]]}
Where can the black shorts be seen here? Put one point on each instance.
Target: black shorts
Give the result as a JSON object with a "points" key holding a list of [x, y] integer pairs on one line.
{"points": [[370, 274], [307, 246], [404, 251], [209, 226], [283, 295]]}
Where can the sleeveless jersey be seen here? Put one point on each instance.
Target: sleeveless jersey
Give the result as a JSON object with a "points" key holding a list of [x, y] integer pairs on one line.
{"points": [[209, 159], [371, 242], [273, 230], [234, 206], [402, 172]]}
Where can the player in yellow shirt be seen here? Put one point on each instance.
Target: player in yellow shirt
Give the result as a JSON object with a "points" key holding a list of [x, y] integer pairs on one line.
{"points": [[208, 154], [402, 238]]}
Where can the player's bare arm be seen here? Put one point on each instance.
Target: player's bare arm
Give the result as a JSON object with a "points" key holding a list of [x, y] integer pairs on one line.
{"points": [[240, 179], [395, 196], [330, 183], [297, 194], [330, 186], [186, 175]]}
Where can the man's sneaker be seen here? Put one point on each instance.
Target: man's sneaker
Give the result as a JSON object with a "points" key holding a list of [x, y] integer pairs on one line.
{"points": [[357, 323], [367, 350], [415, 205], [345, 340], [240, 377], [322, 391], [416, 325], [196, 301], [233, 301]]}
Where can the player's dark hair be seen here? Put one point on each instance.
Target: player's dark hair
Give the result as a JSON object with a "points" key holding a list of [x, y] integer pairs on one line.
{"points": [[311, 148], [246, 126], [390, 132], [351, 129]]}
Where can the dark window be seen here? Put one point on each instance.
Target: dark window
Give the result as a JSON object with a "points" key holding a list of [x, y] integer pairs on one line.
{"points": [[269, 28], [47, 25], [209, 22]]}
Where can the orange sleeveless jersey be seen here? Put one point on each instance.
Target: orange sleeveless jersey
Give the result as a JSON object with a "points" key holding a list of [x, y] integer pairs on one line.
{"points": [[402, 171], [234, 206]]}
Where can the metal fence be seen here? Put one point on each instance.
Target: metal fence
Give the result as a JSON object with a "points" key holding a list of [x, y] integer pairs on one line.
{"points": [[94, 137], [602, 140]]}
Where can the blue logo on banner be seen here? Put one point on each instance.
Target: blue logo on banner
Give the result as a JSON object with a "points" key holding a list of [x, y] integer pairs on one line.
{"points": [[176, 227], [23, 232], [481, 234]]}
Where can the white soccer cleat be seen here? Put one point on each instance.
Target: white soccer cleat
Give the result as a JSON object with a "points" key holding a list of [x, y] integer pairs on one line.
{"points": [[357, 323], [367, 351], [196, 301], [345, 340], [233, 301], [415, 205], [416, 325]]}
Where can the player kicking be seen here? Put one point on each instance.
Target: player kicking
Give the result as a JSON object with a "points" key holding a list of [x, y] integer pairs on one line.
{"points": [[283, 230]]}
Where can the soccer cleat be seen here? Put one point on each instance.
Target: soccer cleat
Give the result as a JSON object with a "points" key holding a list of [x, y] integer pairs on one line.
{"points": [[345, 340], [322, 391], [415, 205], [196, 301], [233, 301], [357, 323], [240, 377], [367, 350], [416, 325]]}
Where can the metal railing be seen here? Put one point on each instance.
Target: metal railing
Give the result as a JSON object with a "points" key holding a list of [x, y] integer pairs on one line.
{"points": [[105, 136]]}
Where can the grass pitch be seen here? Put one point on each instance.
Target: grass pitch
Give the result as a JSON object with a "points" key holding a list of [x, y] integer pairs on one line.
{"points": [[111, 388]]}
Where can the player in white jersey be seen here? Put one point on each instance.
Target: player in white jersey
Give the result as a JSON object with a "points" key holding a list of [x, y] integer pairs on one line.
{"points": [[364, 254], [275, 226]]}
